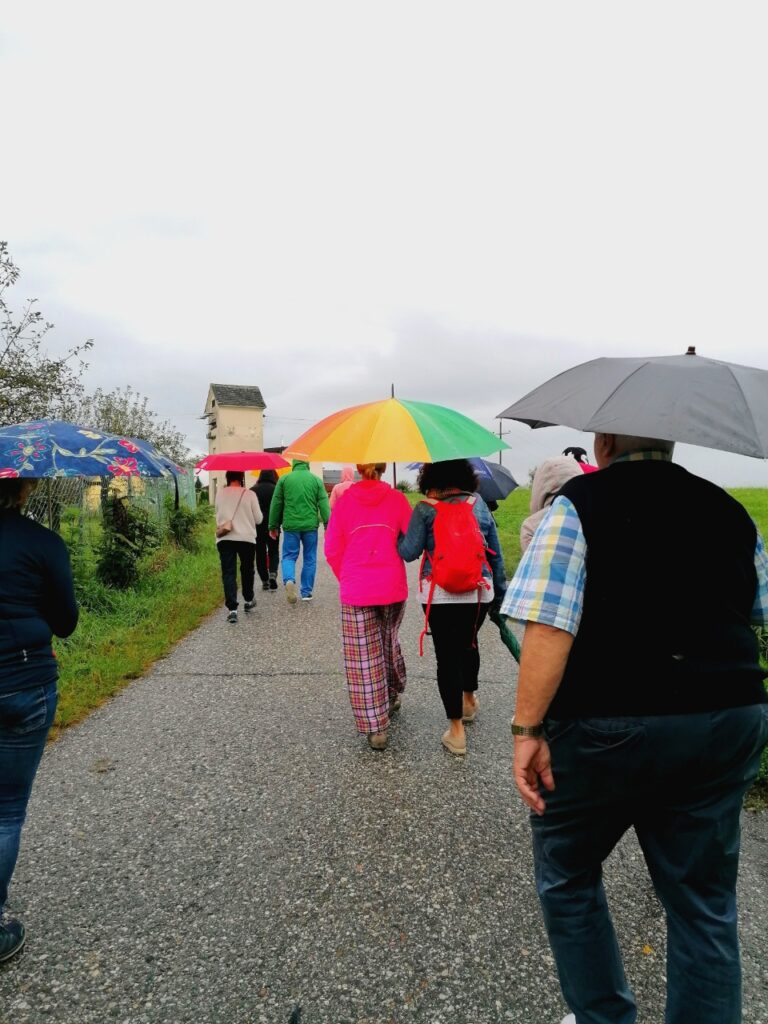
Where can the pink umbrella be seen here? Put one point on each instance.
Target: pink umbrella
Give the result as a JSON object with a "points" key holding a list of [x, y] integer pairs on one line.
{"points": [[241, 462]]}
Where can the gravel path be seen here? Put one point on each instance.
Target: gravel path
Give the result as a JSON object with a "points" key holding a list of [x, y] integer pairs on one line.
{"points": [[217, 846]]}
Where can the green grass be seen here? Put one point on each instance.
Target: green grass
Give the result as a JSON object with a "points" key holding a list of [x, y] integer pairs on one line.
{"points": [[133, 628]]}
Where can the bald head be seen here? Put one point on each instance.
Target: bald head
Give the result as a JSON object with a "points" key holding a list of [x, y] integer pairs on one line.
{"points": [[610, 446]]}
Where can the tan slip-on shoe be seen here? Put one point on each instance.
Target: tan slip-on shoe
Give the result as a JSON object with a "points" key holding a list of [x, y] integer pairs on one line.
{"points": [[451, 745], [290, 592], [470, 712]]}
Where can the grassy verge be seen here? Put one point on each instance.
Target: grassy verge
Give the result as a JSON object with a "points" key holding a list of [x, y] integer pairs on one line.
{"points": [[119, 637]]}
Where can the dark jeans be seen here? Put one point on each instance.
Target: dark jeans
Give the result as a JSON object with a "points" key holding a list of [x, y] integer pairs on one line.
{"points": [[25, 718], [680, 781], [229, 551], [454, 629], [267, 556]]}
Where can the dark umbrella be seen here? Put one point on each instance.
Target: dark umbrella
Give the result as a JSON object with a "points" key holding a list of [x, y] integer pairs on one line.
{"points": [[495, 482], [686, 398]]}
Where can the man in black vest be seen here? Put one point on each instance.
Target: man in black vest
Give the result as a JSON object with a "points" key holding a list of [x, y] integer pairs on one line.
{"points": [[641, 696]]}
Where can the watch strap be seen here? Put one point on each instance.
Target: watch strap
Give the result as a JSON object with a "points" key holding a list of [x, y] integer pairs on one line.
{"points": [[527, 730]]}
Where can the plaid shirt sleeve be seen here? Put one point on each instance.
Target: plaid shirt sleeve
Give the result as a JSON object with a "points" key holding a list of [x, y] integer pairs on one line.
{"points": [[548, 586], [760, 607]]}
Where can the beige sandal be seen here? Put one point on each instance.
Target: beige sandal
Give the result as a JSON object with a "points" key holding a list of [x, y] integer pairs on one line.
{"points": [[469, 716], [451, 745]]}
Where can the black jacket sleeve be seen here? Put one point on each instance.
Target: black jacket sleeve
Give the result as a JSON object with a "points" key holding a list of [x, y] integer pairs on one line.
{"points": [[59, 605]]}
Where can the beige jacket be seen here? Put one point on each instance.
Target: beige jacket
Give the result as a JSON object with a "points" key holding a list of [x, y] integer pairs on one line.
{"points": [[547, 481], [247, 517]]}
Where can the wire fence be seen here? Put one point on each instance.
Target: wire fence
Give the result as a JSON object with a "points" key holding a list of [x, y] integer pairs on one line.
{"points": [[74, 506]]}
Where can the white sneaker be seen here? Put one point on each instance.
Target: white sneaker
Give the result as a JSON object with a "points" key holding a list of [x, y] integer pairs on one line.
{"points": [[570, 1019]]}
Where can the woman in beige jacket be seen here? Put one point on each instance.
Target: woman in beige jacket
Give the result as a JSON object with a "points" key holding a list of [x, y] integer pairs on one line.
{"points": [[239, 509]]}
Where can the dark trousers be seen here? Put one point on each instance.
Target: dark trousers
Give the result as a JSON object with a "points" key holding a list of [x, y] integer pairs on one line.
{"points": [[680, 781], [229, 552], [267, 556], [25, 718], [454, 629]]}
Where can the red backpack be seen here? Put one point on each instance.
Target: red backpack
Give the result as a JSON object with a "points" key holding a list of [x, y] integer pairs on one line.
{"points": [[459, 555]]}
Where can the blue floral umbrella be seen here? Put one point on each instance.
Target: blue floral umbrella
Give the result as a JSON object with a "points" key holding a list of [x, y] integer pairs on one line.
{"points": [[173, 467], [52, 448]]}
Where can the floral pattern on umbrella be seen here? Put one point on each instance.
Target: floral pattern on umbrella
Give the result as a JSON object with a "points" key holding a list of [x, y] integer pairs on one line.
{"points": [[53, 448]]}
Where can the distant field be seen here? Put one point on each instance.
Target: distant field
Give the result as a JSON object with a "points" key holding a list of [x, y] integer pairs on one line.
{"points": [[515, 508]]}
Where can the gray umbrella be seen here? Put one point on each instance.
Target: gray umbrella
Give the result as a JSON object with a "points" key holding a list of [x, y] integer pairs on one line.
{"points": [[674, 398]]}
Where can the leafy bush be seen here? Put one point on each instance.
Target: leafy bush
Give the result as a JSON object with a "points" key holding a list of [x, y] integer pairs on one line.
{"points": [[128, 534], [404, 486], [182, 525]]}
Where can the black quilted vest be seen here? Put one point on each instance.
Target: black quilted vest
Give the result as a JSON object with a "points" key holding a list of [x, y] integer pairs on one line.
{"points": [[670, 587]]}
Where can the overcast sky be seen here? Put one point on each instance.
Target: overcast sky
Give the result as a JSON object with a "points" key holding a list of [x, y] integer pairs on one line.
{"points": [[324, 198]]}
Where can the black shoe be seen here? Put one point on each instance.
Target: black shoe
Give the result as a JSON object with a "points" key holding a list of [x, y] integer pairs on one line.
{"points": [[250, 605], [273, 583], [11, 938], [265, 585], [232, 617]]}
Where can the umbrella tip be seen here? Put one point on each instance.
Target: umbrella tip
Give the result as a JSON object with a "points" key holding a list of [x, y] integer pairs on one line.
{"points": [[691, 350]]}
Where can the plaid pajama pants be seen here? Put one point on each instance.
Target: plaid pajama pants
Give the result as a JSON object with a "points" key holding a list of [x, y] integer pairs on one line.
{"points": [[373, 661]]}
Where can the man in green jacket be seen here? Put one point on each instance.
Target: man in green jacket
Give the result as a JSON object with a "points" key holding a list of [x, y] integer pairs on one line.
{"points": [[299, 503]]}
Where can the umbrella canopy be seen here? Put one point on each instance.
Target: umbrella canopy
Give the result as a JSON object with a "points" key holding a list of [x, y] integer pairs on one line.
{"points": [[494, 481], [53, 448], [685, 398], [241, 462], [395, 430], [173, 467]]}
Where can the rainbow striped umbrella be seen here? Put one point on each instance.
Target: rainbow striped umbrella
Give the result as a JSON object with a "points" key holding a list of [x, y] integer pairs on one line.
{"points": [[394, 430]]}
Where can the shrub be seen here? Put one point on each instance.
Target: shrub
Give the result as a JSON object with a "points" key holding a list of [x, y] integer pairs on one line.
{"points": [[182, 525], [404, 486], [128, 534]]}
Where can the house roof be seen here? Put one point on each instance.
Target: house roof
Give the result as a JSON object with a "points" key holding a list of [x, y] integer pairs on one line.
{"points": [[238, 394]]}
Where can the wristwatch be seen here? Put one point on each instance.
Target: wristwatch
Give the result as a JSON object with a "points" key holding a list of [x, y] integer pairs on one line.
{"points": [[527, 730]]}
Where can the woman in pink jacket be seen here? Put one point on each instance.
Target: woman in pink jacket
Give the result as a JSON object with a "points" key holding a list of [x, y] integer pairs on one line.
{"points": [[347, 480], [361, 548]]}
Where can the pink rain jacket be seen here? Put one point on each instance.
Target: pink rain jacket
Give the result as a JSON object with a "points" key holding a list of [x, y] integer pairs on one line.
{"points": [[361, 544], [347, 479]]}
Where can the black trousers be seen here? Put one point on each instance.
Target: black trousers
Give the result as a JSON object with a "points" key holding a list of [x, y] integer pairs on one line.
{"points": [[267, 555], [229, 551], [454, 628]]}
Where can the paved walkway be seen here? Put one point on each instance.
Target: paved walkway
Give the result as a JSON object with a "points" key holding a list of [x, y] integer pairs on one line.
{"points": [[216, 846]]}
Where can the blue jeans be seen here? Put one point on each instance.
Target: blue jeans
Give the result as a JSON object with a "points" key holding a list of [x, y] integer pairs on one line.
{"points": [[25, 719], [292, 540], [680, 781]]}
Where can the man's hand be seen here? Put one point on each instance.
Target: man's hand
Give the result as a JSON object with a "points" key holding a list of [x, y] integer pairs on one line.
{"points": [[274, 534], [531, 767]]}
